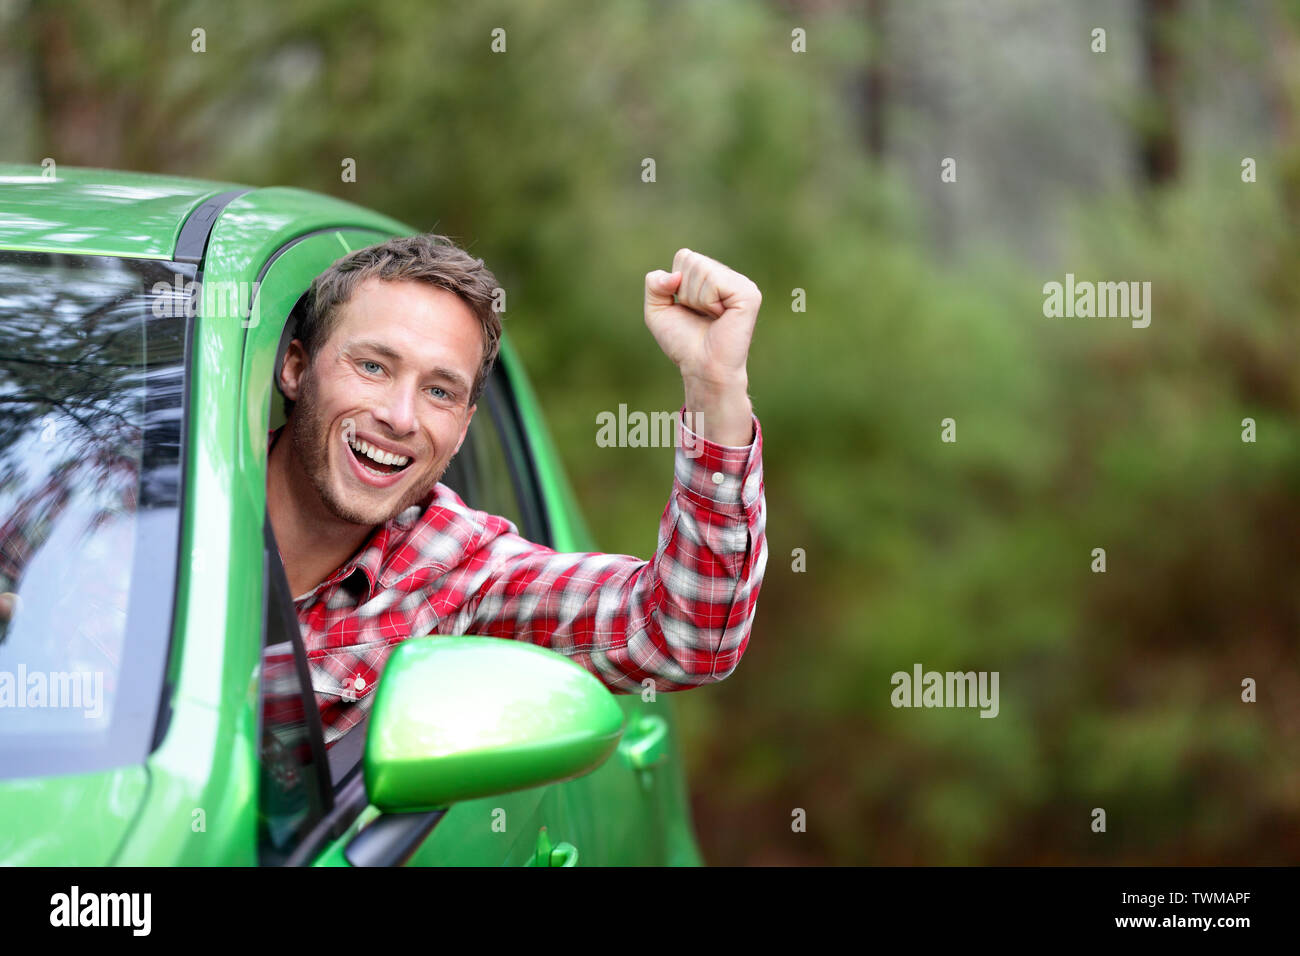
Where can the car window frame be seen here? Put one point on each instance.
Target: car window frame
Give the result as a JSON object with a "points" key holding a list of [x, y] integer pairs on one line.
{"points": [[340, 808], [344, 759]]}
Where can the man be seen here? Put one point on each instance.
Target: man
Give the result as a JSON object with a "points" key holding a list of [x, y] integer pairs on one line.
{"points": [[392, 353]]}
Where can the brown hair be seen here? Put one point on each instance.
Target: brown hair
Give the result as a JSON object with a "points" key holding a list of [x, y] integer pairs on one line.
{"points": [[428, 258]]}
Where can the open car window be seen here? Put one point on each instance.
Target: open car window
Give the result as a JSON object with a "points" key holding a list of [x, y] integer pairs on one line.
{"points": [[492, 472]]}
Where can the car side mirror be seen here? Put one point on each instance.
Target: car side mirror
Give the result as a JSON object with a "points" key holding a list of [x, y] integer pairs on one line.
{"points": [[456, 718]]}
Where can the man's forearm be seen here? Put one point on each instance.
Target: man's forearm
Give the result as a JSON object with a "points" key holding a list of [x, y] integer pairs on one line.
{"points": [[720, 411], [681, 619]]}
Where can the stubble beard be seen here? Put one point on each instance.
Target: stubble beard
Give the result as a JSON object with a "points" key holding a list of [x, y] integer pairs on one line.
{"points": [[310, 434]]}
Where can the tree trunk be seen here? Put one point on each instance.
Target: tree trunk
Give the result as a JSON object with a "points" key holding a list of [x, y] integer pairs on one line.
{"points": [[1160, 145], [875, 79]]}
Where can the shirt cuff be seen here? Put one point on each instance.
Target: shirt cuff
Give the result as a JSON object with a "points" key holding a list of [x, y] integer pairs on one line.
{"points": [[724, 478]]}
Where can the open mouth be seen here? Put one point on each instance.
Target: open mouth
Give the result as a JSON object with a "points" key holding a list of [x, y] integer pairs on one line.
{"points": [[381, 464]]}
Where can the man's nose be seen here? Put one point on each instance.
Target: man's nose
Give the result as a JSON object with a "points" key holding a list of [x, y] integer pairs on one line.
{"points": [[398, 409]]}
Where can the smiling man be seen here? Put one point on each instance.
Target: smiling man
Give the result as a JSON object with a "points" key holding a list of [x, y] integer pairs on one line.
{"points": [[392, 353]]}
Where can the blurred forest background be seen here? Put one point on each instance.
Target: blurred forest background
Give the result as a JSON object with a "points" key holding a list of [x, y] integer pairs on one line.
{"points": [[820, 171]]}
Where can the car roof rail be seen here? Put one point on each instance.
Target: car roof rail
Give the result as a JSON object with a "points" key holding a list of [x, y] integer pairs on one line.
{"points": [[192, 243]]}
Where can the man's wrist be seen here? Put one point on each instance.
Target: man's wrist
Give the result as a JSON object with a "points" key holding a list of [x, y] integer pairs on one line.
{"points": [[718, 407]]}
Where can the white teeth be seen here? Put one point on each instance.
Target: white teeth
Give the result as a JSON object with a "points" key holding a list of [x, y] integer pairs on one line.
{"points": [[383, 457]]}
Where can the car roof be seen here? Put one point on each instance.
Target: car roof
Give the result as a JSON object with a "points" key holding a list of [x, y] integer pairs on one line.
{"points": [[97, 211]]}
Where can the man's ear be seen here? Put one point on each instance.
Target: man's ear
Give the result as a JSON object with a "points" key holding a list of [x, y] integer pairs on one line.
{"points": [[465, 431], [295, 363]]}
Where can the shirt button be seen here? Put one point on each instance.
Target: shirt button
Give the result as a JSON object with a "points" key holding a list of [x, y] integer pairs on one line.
{"points": [[751, 487], [359, 683], [718, 477]]}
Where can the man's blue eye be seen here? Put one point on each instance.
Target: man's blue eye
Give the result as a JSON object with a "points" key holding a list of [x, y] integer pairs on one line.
{"points": [[435, 388], [367, 365]]}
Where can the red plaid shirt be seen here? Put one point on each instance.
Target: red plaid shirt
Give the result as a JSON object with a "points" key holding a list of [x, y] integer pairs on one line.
{"points": [[680, 619]]}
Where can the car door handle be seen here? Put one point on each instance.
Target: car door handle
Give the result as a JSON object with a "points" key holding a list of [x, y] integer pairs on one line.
{"points": [[562, 854], [646, 743]]}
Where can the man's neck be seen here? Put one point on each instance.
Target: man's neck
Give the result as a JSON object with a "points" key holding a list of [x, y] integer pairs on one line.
{"points": [[313, 542]]}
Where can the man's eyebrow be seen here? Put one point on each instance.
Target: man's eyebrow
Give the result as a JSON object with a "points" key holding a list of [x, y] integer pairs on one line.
{"points": [[385, 351], [450, 375], [379, 348]]}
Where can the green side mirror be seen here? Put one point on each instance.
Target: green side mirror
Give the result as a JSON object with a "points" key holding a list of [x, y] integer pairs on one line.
{"points": [[457, 718]]}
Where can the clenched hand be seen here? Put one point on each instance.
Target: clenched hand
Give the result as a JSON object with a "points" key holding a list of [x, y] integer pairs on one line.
{"points": [[706, 332]]}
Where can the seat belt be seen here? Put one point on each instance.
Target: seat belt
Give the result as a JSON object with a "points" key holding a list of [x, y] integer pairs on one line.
{"points": [[284, 619], [345, 753]]}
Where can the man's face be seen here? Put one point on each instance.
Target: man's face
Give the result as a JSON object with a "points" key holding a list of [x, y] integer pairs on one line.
{"points": [[396, 374]]}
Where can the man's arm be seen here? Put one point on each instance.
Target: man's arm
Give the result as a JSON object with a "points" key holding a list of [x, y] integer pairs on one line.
{"points": [[684, 617], [681, 619]]}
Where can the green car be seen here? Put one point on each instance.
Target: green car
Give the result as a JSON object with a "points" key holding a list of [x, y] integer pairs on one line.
{"points": [[154, 701]]}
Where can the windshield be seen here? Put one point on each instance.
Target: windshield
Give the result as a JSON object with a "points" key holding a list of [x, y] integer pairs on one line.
{"points": [[92, 367]]}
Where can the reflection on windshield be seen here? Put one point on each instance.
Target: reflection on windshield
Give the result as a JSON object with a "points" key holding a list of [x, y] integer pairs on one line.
{"points": [[90, 398]]}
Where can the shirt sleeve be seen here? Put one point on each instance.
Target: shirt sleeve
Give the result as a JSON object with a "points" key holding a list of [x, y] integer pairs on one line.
{"points": [[681, 619]]}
